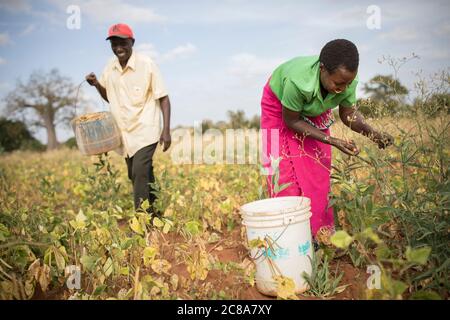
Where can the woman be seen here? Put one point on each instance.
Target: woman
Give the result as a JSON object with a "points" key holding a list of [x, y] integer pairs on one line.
{"points": [[296, 115]]}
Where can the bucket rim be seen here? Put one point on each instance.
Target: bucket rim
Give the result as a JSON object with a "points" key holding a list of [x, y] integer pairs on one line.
{"points": [[279, 216], [303, 202], [279, 222]]}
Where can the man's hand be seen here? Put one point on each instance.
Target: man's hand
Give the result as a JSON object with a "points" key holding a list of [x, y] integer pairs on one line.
{"points": [[348, 147], [165, 139], [383, 139], [92, 79]]}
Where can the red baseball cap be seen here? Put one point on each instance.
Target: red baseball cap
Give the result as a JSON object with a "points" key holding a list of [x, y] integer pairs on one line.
{"points": [[120, 30]]}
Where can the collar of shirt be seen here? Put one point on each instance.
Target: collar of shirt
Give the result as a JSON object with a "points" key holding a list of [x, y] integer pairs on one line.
{"points": [[131, 63], [317, 91]]}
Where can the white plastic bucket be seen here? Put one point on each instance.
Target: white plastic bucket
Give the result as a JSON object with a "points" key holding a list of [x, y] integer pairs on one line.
{"points": [[284, 220]]}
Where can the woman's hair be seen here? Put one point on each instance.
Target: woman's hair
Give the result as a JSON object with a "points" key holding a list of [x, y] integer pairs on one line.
{"points": [[339, 53]]}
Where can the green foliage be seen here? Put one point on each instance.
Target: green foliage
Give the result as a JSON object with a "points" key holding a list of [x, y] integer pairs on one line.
{"points": [[322, 282], [14, 135], [236, 120], [395, 204], [71, 143]]}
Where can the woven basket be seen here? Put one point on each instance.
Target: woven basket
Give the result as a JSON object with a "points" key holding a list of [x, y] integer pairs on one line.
{"points": [[96, 133]]}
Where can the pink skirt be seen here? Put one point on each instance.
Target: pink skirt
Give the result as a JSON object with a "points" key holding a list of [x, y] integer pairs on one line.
{"points": [[305, 162]]}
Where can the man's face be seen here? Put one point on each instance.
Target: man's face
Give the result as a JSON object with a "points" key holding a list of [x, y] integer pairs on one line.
{"points": [[338, 80], [122, 48]]}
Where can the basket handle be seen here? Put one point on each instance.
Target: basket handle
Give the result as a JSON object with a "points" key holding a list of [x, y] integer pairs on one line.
{"points": [[76, 97]]}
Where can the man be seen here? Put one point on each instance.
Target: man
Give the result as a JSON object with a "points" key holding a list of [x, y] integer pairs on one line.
{"points": [[133, 86]]}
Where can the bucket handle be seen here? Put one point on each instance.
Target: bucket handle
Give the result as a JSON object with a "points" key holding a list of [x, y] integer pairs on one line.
{"points": [[288, 220], [260, 252]]}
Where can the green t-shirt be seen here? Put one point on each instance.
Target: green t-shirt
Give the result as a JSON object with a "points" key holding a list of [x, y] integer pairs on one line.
{"points": [[296, 83]]}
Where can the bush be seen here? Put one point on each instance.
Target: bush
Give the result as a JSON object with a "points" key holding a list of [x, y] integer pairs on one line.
{"points": [[14, 135], [71, 143]]}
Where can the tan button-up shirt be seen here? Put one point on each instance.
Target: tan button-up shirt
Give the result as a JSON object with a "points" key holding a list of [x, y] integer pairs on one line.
{"points": [[133, 94]]}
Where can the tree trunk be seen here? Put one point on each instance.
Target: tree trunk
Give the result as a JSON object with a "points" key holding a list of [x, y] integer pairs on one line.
{"points": [[52, 142]]}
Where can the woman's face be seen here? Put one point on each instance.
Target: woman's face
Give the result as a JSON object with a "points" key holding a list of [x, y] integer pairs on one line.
{"points": [[338, 80]]}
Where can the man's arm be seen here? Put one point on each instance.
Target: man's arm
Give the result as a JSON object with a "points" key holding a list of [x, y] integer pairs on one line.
{"points": [[355, 121], [91, 78], [102, 91], [165, 109]]}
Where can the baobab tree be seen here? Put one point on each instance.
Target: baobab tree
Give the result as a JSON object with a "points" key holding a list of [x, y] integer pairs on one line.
{"points": [[46, 100]]}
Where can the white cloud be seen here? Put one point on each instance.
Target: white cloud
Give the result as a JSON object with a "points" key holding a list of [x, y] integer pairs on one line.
{"points": [[354, 17], [403, 33], [15, 5], [434, 53], [247, 66], [2, 61], [148, 49], [443, 30], [29, 29], [110, 11], [4, 39], [180, 52]]}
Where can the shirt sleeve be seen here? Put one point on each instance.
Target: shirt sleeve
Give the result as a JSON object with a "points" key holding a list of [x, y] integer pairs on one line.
{"points": [[350, 99], [157, 84], [103, 77], [292, 97]]}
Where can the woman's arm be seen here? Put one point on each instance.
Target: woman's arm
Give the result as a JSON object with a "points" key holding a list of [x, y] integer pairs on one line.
{"points": [[355, 121], [293, 122]]}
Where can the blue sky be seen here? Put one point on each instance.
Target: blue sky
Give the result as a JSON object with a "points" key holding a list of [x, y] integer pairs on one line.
{"points": [[217, 55]]}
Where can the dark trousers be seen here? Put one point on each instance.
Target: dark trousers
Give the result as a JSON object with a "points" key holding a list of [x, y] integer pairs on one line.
{"points": [[140, 172]]}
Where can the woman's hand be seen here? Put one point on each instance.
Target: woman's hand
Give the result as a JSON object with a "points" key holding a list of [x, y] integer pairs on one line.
{"points": [[383, 139], [348, 147]]}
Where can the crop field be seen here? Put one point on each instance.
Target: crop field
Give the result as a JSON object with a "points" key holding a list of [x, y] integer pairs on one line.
{"points": [[61, 210]]}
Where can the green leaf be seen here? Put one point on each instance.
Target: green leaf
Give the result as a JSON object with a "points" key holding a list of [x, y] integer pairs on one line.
{"points": [[370, 234], [192, 227], [80, 221], [145, 205], [382, 252], [398, 288], [284, 186], [59, 258], [419, 256], [4, 233], [341, 239], [285, 288], [88, 262], [99, 290], [126, 244], [149, 255], [136, 226], [125, 271], [167, 227], [108, 267], [425, 295], [157, 222], [256, 243]]}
